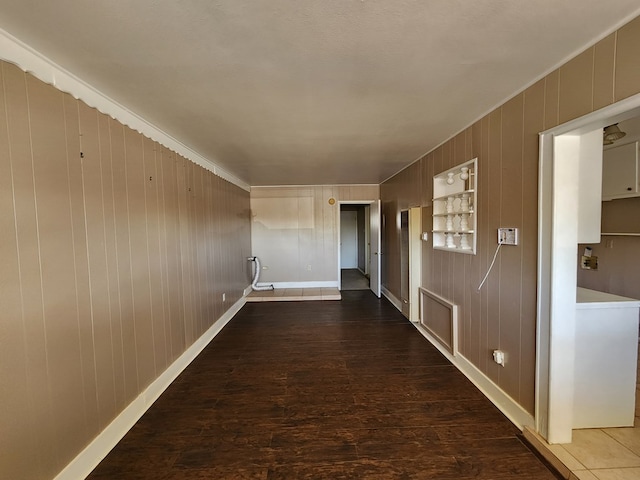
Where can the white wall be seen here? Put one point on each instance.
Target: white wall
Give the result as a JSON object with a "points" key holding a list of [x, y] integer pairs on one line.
{"points": [[349, 239], [294, 231]]}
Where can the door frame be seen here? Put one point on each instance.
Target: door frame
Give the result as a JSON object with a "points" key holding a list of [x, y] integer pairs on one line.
{"points": [[374, 256], [555, 346], [415, 262]]}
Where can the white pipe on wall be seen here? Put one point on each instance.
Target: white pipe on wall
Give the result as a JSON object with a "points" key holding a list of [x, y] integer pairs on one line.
{"points": [[256, 277]]}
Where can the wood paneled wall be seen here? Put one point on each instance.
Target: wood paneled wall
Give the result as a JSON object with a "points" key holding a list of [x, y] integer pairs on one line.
{"points": [[115, 253], [294, 227], [503, 314]]}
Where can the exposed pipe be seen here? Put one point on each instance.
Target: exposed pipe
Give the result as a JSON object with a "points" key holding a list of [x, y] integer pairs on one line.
{"points": [[256, 277]]}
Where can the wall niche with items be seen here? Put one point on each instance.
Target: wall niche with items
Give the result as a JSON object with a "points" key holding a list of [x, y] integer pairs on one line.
{"points": [[454, 208]]}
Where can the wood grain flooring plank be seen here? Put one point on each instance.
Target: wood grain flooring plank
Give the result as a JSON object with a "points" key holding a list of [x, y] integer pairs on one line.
{"points": [[322, 390]]}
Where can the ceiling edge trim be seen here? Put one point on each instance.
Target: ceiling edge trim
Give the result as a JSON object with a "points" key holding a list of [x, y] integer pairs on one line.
{"points": [[30, 61]]}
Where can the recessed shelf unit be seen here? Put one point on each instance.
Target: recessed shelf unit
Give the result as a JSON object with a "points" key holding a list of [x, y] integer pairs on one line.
{"points": [[454, 208]]}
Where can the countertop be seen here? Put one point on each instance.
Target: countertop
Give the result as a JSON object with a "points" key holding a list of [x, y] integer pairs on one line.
{"points": [[593, 299]]}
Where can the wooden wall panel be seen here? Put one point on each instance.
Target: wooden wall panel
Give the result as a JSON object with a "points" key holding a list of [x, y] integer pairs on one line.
{"points": [[55, 258], [603, 66], [18, 431], [485, 242], [576, 86], [100, 227], [123, 264], [533, 124], [38, 402], [99, 322], [81, 265], [503, 313], [111, 252], [142, 315], [551, 100], [627, 68], [511, 256]]}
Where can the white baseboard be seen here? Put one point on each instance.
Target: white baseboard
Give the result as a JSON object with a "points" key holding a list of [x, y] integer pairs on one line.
{"points": [[507, 405], [389, 296], [324, 284], [97, 450]]}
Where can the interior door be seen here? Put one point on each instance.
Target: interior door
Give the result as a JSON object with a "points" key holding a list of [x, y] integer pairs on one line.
{"points": [[374, 225]]}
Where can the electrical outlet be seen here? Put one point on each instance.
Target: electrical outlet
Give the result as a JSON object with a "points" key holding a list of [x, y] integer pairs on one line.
{"points": [[589, 263], [507, 236], [224, 297], [309, 267], [498, 357]]}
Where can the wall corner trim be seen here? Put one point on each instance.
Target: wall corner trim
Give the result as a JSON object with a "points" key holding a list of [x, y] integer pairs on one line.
{"points": [[82, 465], [14, 51]]}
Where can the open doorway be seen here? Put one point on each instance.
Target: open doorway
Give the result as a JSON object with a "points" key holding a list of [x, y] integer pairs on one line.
{"points": [[355, 247], [567, 153], [359, 256]]}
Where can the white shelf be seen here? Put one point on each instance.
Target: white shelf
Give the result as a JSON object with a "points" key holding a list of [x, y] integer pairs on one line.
{"points": [[444, 197], [469, 212], [454, 205]]}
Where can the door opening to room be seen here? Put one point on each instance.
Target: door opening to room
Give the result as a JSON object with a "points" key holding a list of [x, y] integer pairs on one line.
{"points": [[355, 247], [359, 261]]}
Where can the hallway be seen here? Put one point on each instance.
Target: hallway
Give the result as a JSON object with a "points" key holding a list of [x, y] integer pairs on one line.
{"points": [[336, 390]]}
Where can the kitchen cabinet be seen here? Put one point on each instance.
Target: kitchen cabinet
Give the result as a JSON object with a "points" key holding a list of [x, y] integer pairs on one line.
{"points": [[606, 360], [620, 172]]}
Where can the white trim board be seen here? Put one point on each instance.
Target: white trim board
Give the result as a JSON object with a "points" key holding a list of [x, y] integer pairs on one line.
{"points": [[82, 465], [391, 297], [507, 405], [29, 60]]}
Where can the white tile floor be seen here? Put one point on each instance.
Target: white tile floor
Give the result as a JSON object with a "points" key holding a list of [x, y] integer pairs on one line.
{"points": [[294, 295]]}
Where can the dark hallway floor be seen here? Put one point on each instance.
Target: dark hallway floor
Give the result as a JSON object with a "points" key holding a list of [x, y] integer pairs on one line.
{"points": [[353, 279], [322, 390]]}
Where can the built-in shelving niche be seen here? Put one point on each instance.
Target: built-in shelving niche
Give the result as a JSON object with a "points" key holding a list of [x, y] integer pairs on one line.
{"points": [[454, 208]]}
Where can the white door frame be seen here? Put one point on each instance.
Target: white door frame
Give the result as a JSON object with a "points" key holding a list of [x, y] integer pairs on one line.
{"points": [[557, 233], [415, 262], [375, 256]]}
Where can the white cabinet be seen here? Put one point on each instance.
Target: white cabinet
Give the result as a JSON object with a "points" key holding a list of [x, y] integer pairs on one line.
{"points": [[620, 172], [606, 360], [454, 208]]}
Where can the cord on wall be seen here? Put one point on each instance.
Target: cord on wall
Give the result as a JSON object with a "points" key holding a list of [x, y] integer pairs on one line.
{"points": [[495, 255]]}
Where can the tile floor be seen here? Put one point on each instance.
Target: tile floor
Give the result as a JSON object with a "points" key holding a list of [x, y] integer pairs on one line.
{"points": [[600, 454], [294, 295]]}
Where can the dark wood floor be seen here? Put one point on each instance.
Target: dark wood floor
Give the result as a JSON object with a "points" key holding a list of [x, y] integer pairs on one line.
{"points": [[322, 390]]}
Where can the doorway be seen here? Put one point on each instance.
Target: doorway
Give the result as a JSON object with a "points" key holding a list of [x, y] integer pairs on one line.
{"points": [[567, 152], [359, 238], [410, 262]]}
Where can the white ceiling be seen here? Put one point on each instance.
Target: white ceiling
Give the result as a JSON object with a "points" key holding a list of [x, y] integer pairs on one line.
{"points": [[281, 92]]}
